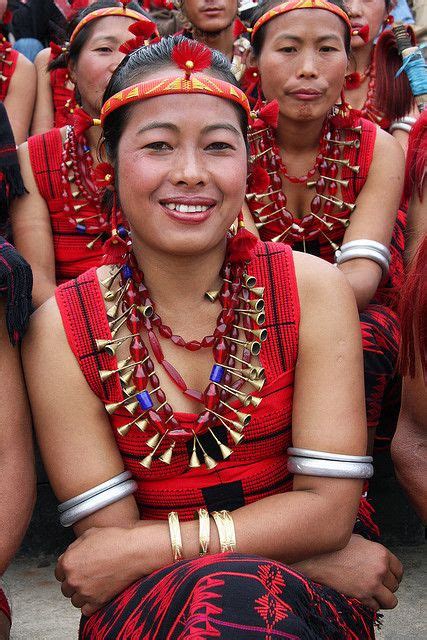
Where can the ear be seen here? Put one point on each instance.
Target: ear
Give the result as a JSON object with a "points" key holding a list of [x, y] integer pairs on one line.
{"points": [[72, 71], [252, 61]]}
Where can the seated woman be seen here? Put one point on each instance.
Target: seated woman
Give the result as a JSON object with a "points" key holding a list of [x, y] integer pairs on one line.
{"points": [[17, 79], [192, 366], [323, 181], [370, 86], [59, 226], [17, 477], [218, 28], [410, 440]]}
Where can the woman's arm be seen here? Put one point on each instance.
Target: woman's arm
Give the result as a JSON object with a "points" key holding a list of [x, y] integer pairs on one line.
{"points": [[43, 118], [20, 98], [409, 445], [32, 232], [17, 476], [375, 215]]}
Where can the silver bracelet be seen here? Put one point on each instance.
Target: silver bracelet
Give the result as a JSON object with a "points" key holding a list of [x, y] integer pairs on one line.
{"points": [[370, 244], [97, 502], [329, 468], [72, 502], [400, 126], [368, 249], [324, 455]]}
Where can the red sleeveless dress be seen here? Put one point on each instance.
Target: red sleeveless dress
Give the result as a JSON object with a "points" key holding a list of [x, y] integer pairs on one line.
{"points": [[8, 60], [231, 596], [379, 321], [72, 255], [64, 99]]}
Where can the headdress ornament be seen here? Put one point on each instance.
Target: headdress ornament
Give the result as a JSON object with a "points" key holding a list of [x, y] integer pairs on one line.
{"points": [[145, 33], [105, 13], [192, 57], [300, 4]]}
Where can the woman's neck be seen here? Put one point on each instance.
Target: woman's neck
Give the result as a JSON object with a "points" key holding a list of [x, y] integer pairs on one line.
{"points": [[222, 41], [179, 283], [93, 136], [298, 136], [362, 57]]}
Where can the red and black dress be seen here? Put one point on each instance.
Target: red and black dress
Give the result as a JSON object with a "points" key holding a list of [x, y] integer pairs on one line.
{"points": [[227, 596], [74, 201], [8, 60], [343, 165]]}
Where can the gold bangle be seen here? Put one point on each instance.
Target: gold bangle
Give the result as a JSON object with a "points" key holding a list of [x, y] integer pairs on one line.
{"points": [[225, 525], [175, 535], [204, 531]]}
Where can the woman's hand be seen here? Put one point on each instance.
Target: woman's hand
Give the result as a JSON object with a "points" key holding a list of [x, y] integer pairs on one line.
{"points": [[363, 569], [101, 563]]}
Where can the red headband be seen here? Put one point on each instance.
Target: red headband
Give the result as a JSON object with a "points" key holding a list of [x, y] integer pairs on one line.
{"points": [[300, 4], [104, 13], [192, 58]]}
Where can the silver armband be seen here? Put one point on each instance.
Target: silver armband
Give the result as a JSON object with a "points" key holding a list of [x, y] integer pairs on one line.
{"points": [[95, 499], [364, 248], [404, 124], [329, 465]]}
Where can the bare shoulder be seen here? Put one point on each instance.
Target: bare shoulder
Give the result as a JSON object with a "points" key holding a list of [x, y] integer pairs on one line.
{"points": [[388, 151], [45, 332], [25, 70], [42, 59], [319, 282]]}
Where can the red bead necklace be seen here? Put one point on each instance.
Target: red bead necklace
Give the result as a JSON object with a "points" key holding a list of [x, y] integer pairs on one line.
{"points": [[369, 109], [80, 187], [327, 211], [141, 385]]}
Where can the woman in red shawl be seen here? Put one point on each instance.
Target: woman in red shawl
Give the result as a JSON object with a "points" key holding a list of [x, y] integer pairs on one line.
{"points": [[59, 226]]}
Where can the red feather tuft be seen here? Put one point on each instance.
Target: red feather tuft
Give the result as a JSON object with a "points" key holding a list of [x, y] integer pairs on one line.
{"points": [[7, 17], [143, 28], [238, 28], [268, 115], [115, 250], [259, 180], [192, 56]]}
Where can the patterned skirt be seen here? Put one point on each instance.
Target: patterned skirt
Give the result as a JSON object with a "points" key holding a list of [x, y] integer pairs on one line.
{"points": [[232, 597]]}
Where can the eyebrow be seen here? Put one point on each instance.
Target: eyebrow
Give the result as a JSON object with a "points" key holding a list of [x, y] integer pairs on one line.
{"points": [[174, 128], [105, 37], [290, 36]]}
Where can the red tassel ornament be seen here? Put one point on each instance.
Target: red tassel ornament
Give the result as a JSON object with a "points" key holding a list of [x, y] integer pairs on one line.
{"points": [[241, 246], [259, 180], [104, 175], [362, 33], [267, 116], [192, 56], [238, 28], [83, 121], [58, 50]]}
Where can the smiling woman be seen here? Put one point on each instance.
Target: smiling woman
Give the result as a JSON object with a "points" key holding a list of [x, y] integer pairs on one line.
{"points": [[201, 415]]}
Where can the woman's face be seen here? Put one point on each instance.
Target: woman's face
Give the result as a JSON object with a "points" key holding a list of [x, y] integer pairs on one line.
{"points": [[210, 16], [366, 12], [303, 62], [98, 59], [181, 177]]}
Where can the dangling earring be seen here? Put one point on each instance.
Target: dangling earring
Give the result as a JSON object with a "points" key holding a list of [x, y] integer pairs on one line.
{"points": [[117, 246], [240, 247], [388, 21]]}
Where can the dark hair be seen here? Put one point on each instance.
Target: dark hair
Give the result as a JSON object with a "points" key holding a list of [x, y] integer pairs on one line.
{"points": [[264, 7], [84, 34], [146, 61]]}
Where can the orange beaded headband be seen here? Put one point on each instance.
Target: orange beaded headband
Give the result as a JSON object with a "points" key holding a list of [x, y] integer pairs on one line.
{"points": [[300, 4], [191, 57], [104, 13]]}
